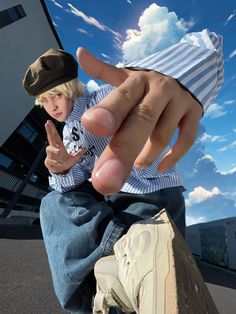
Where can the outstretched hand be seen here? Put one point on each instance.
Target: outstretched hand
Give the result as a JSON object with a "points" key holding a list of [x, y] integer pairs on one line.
{"points": [[58, 160], [141, 115]]}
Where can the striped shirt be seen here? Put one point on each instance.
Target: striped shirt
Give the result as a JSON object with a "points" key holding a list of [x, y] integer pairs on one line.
{"points": [[196, 62]]}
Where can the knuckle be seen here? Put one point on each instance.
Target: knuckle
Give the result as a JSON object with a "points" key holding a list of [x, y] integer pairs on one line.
{"points": [[143, 163], [139, 75], [144, 112], [100, 74], [168, 85], [46, 163], [163, 139], [175, 159], [125, 93], [118, 144], [189, 140]]}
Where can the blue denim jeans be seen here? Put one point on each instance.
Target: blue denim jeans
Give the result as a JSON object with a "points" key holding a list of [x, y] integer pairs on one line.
{"points": [[81, 226]]}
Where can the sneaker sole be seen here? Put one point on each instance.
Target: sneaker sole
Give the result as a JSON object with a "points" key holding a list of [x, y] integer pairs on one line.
{"points": [[185, 290]]}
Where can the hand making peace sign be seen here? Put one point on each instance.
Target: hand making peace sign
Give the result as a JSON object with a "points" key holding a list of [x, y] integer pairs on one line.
{"points": [[58, 160]]}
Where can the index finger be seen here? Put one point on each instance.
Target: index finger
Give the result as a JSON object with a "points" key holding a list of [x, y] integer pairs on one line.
{"points": [[100, 70], [53, 136]]}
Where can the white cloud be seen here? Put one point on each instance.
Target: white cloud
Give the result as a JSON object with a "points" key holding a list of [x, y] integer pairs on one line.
{"points": [[87, 19], [199, 194], [233, 170], [211, 138], [120, 65], [57, 17], [158, 29], [233, 54], [215, 111], [54, 23], [231, 16], [230, 146], [92, 86], [200, 170], [229, 102], [92, 21], [83, 31], [190, 220], [129, 1], [105, 56], [207, 157], [57, 4], [185, 25]]}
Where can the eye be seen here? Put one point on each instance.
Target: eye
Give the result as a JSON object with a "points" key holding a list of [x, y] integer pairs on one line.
{"points": [[58, 95]]}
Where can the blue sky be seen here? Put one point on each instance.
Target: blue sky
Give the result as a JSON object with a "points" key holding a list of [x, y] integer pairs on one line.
{"points": [[120, 30]]}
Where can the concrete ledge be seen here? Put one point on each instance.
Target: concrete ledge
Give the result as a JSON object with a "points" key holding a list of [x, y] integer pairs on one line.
{"points": [[229, 271]]}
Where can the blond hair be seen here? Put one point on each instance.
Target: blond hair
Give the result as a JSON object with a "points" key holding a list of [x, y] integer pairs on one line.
{"points": [[71, 89]]}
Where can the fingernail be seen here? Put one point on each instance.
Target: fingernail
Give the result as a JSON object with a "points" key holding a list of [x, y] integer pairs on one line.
{"points": [[161, 170], [101, 116], [111, 175], [77, 50], [139, 166]]}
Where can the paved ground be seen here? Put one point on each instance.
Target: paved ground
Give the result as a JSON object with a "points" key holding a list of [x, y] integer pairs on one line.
{"points": [[25, 282], [222, 286]]}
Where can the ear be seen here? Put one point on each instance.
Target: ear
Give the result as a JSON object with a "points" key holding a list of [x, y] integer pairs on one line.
{"points": [[74, 97]]}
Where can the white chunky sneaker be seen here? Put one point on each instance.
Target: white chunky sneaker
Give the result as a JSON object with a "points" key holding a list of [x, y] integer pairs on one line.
{"points": [[158, 272], [110, 292]]}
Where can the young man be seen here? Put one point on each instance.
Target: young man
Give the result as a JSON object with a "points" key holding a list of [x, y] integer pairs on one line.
{"points": [[80, 225]]}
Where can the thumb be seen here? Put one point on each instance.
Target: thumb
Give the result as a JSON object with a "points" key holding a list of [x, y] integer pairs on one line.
{"points": [[101, 70]]}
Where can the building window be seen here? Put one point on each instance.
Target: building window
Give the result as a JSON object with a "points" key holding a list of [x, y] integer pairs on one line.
{"points": [[5, 161], [27, 132], [11, 15], [34, 178]]}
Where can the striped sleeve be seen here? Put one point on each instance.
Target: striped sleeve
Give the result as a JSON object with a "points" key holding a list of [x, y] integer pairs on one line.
{"points": [[69, 181], [196, 62], [98, 95]]}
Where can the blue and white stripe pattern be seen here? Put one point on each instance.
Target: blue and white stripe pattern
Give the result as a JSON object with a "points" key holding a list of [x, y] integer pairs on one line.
{"points": [[196, 61]]}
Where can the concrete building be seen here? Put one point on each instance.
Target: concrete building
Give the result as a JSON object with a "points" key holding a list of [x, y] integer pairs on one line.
{"points": [[26, 31], [214, 241]]}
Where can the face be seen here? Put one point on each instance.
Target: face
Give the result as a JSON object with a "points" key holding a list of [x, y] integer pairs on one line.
{"points": [[58, 106]]}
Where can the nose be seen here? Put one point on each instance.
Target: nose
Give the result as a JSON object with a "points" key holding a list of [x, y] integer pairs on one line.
{"points": [[52, 103], [55, 107]]}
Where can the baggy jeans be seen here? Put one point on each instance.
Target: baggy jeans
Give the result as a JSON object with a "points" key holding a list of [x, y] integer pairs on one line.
{"points": [[81, 226]]}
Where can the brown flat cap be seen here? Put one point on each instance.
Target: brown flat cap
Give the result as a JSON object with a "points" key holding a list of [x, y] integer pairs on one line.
{"points": [[51, 69]]}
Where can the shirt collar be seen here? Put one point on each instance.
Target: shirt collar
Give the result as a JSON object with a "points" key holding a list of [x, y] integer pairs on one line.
{"points": [[79, 107]]}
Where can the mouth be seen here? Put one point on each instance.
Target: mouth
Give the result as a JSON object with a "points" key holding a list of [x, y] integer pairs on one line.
{"points": [[57, 115]]}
